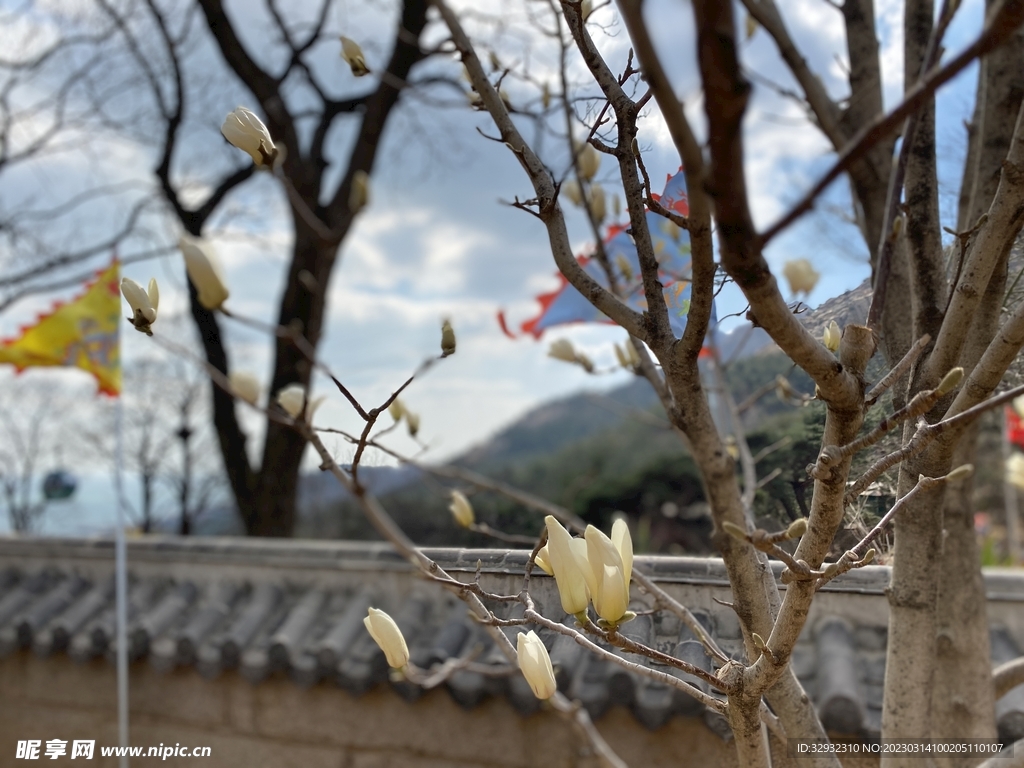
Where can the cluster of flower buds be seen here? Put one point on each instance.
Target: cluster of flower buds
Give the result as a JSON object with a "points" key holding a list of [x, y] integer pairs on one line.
{"points": [[595, 569], [143, 303], [801, 276], [562, 349], [534, 660], [594, 197]]}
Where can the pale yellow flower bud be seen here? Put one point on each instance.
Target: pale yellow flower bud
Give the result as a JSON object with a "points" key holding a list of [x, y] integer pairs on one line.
{"points": [[670, 229], [586, 8], [797, 528], [396, 409], [247, 132], [352, 53], [359, 195], [572, 192], [731, 447], [832, 336], [562, 349], [597, 203], [543, 561], [461, 509], [950, 381], [204, 271], [588, 161], [246, 386], [412, 421], [801, 276], [568, 563], [623, 264], [291, 399], [535, 663], [960, 473], [388, 636], [609, 573], [447, 339]]}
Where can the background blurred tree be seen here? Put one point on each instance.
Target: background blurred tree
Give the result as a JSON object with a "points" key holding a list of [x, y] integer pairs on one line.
{"points": [[160, 74]]}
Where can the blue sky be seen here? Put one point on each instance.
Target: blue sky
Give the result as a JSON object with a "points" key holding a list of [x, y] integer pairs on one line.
{"points": [[437, 241]]}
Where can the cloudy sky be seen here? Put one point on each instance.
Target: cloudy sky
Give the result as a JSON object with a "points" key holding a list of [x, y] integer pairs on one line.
{"points": [[438, 239]]}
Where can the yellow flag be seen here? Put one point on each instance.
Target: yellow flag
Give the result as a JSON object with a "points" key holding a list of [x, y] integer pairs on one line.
{"points": [[82, 333]]}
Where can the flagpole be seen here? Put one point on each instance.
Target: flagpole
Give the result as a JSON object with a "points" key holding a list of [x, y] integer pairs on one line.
{"points": [[121, 590]]}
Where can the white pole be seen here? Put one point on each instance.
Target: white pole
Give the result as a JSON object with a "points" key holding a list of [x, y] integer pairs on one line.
{"points": [[121, 590]]}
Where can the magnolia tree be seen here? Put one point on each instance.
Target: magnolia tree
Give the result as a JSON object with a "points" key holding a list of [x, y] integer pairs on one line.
{"points": [[946, 349]]}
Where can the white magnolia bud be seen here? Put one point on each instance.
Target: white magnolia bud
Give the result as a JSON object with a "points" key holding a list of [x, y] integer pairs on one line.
{"points": [[359, 195], [292, 397], [247, 132], [832, 336], [535, 662], [388, 636], [204, 271], [801, 276], [352, 53], [246, 386], [143, 304], [461, 509], [586, 8]]}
